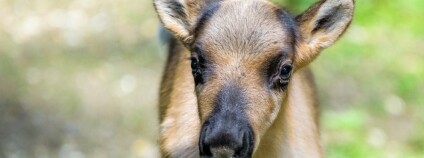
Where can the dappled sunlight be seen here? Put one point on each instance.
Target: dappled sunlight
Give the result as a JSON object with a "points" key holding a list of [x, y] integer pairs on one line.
{"points": [[80, 79]]}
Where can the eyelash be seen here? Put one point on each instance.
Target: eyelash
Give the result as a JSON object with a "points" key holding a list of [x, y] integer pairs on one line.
{"points": [[197, 69], [281, 75]]}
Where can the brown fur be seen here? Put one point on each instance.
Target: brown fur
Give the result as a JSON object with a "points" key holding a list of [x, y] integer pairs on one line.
{"points": [[284, 122], [178, 107]]}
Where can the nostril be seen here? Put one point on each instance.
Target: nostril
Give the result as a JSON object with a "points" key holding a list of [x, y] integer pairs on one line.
{"points": [[226, 142], [241, 149], [246, 149], [203, 146]]}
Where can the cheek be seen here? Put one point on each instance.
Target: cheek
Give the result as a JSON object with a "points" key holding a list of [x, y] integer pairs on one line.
{"points": [[263, 111]]}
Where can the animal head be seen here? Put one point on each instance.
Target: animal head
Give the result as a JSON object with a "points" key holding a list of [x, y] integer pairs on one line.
{"points": [[243, 54]]}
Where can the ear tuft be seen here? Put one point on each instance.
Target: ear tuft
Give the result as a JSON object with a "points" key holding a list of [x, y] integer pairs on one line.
{"points": [[329, 19], [178, 16], [322, 24], [333, 14]]}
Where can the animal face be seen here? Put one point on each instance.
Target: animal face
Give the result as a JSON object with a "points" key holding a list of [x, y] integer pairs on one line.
{"points": [[243, 54], [242, 60]]}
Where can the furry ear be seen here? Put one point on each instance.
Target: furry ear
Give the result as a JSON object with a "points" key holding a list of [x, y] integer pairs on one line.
{"points": [[179, 16], [320, 26]]}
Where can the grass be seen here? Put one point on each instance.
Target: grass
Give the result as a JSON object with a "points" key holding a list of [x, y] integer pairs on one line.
{"points": [[80, 79]]}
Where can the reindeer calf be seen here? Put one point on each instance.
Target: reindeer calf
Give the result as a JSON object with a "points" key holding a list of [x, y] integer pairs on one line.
{"points": [[236, 82]]}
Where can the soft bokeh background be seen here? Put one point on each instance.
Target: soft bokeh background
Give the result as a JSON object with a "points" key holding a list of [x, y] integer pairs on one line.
{"points": [[80, 79]]}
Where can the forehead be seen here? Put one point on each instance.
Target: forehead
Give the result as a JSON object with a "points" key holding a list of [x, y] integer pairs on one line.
{"points": [[246, 27]]}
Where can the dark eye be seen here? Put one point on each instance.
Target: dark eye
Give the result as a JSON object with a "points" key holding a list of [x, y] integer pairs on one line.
{"points": [[196, 70], [194, 63], [286, 71], [281, 78]]}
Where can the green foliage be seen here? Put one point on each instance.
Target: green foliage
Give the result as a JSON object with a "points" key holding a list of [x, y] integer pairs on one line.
{"points": [[372, 80], [82, 77]]}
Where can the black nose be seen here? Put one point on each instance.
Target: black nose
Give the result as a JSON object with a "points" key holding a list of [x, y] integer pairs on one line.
{"points": [[223, 138]]}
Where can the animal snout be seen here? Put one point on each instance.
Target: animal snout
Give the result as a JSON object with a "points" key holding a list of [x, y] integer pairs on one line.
{"points": [[226, 139]]}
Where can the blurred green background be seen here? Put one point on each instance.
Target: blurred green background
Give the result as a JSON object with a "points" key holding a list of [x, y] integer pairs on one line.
{"points": [[80, 79]]}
